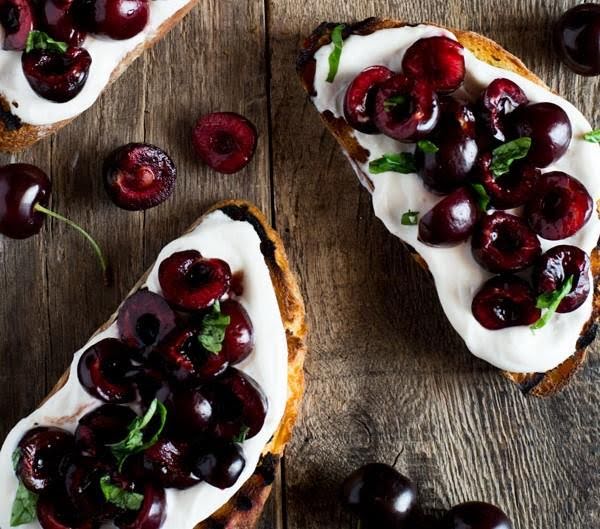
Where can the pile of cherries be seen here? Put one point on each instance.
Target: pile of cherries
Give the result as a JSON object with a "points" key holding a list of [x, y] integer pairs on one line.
{"points": [[51, 34], [480, 155], [173, 362], [383, 498]]}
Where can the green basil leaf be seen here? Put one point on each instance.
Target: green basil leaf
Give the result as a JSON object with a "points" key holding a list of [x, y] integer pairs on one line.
{"points": [[593, 136], [337, 38], [550, 301], [403, 162], [428, 146], [16, 456], [38, 40], [124, 499], [24, 507], [394, 101], [483, 199], [504, 155], [213, 330], [241, 437], [410, 218]]}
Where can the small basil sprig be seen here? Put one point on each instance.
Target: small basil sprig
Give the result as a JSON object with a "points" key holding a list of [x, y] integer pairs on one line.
{"points": [[134, 442], [38, 40], [403, 162], [410, 218], [427, 146], [213, 330], [483, 199], [504, 155], [241, 437], [550, 301], [593, 136], [337, 38], [24, 507], [124, 499], [393, 102]]}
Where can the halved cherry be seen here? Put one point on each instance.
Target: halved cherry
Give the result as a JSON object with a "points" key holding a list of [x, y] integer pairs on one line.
{"points": [[118, 19], [191, 282], [82, 484], [103, 371], [151, 384], [55, 512], [439, 61], [505, 301], [219, 464], [359, 98], [152, 513], [405, 109], [500, 98], [57, 19], [168, 462], [239, 334], [17, 18], [190, 412]]}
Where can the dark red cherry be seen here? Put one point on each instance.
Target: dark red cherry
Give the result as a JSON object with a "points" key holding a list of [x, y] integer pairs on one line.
{"points": [[22, 187], [144, 320], [219, 464], [225, 141], [57, 20], [500, 98], [359, 98], [476, 515], [560, 206], [577, 38], [139, 176], [151, 384], [505, 301], [549, 128], [191, 282], [118, 19], [103, 371], [450, 221], [379, 495], [57, 76], [239, 405], [55, 512], [82, 484], [511, 190], [190, 412], [17, 18], [41, 453], [555, 267], [239, 334], [405, 109], [437, 60], [456, 117], [503, 242], [151, 515], [168, 462]]}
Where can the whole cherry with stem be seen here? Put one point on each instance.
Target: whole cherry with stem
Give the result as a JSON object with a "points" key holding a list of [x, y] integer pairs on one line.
{"points": [[24, 196]]}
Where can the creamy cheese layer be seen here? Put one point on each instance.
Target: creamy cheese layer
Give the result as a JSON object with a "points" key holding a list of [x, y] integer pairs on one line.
{"points": [[457, 276], [237, 243]]}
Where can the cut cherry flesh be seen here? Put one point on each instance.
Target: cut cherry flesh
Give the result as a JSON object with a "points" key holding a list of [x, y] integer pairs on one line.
{"points": [[191, 282], [118, 19], [510, 190], [57, 76], [22, 186], [555, 267], [144, 320], [152, 513], [56, 513], [577, 39], [437, 60], [549, 128], [560, 206], [500, 98], [57, 19], [103, 372], [190, 412], [503, 242], [17, 18], [239, 405], [82, 483], [405, 109], [220, 465], [139, 176], [168, 462], [475, 515], [450, 221], [41, 453], [359, 98], [505, 301], [239, 334], [225, 141]]}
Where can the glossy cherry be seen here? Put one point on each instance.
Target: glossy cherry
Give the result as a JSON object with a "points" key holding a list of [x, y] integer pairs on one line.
{"points": [[476, 515], [555, 267], [560, 206], [503, 243], [500, 98], [437, 60], [451, 221], [505, 301], [239, 334], [405, 109], [379, 495], [139, 176], [191, 282], [219, 464], [225, 141], [118, 19], [577, 38], [54, 512], [190, 412], [82, 484], [151, 384], [168, 462], [17, 18], [152, 513], [58, 21], [359, 98]]}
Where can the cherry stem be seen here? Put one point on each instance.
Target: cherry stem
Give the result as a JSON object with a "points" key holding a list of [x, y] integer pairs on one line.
{"points": [[93, 243]]}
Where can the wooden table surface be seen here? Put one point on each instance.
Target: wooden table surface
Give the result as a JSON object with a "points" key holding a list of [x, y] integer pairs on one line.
{"points": [[387, 378]]}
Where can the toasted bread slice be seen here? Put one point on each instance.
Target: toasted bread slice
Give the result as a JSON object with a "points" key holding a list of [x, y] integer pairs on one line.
{"points": [[245, 508], [16, 135], [538, 384]]}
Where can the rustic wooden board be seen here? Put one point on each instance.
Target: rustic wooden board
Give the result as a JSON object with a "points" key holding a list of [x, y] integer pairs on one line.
{"points": [[388, 380]]}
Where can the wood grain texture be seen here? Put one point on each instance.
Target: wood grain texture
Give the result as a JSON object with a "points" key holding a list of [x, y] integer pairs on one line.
{"points": [[387, 379]]}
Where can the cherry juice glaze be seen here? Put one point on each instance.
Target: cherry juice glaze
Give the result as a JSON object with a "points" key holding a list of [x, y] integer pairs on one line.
{"points": [[457, 276], [106, 55], [237, 243]]}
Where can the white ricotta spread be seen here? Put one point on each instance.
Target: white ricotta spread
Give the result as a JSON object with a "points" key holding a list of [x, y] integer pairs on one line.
{"points": [[238, 244], [457, 276]]}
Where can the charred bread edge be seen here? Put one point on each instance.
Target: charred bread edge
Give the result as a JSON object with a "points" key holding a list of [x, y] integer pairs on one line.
{"points": [[538, 384], [245, 507], [16, 135]]}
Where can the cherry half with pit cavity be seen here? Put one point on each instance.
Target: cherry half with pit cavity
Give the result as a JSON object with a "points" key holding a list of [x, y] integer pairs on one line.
{"points": [[58, 21], [498, 100], [476, 515], [55, 512], [151, 515], [17, 18], [220, 465], [118, 19]]}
